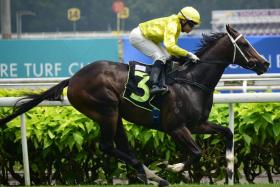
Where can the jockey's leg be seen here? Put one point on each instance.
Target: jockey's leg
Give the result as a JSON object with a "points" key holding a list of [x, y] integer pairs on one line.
{"points": [[152, 50], [157, 86]]}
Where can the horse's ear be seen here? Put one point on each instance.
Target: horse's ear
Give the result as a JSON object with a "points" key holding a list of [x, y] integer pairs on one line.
{"points": [[228, 27]]}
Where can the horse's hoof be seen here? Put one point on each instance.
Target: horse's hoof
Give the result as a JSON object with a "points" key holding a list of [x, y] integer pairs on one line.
{"points": [[176, 168], [163, 183], [143, 178]]}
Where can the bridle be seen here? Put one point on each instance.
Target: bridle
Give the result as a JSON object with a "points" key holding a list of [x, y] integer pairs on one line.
{"points": [[236, 47], [248, 64]]}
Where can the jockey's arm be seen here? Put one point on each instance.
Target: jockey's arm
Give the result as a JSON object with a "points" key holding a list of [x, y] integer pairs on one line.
{"points": [[170, 41]]}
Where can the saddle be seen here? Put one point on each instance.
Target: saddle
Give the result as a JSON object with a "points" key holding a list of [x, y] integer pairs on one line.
{"points": [[138, 85]]}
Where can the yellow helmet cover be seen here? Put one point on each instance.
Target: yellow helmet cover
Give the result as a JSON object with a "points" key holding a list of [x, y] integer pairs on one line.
{"points": [[189, 13]]}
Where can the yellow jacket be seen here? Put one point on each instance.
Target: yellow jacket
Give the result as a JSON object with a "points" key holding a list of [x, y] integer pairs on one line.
{"points": [[166, 30]]}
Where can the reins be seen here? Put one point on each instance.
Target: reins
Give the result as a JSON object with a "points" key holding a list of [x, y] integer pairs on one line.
{"points": [[214, 62], [193, 83], [186, 64], [184, 67]]}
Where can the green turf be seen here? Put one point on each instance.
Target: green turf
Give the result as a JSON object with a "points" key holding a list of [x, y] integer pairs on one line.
{"points": [[177, 185]]}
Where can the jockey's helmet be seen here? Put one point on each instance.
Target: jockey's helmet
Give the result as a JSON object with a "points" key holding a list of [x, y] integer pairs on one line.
{"points": [[190, 14]]}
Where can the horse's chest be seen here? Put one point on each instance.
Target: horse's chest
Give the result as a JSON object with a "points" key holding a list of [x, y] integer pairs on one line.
{"points": [[191, 109]]}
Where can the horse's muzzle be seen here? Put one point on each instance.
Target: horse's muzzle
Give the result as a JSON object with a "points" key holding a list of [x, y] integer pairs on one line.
{"points": [[260, 67]]}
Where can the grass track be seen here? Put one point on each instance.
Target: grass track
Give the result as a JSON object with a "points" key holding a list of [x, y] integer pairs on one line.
{"points": [[179, 185]]}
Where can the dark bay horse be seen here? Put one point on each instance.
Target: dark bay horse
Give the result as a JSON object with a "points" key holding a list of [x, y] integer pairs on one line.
{"points": [[96, 91]]}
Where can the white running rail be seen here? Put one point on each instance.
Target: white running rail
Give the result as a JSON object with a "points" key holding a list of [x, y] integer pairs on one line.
{"points": [[218, 98]]}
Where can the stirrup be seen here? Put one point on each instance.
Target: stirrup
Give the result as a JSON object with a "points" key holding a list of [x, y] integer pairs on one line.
{"points": [[156, 90]]}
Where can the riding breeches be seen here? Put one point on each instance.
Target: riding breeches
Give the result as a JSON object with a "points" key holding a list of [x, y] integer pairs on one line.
{"points": [[148, 47]]}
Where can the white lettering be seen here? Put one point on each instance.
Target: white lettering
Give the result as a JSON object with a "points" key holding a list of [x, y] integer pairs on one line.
{"points": [[28, 69], [76, 66], [57, 68], [48, 70], [38, 72], [269, 59], [70, 69], [13, 70], [3, 70], [8, 70], [42, 69], [278, 60]]}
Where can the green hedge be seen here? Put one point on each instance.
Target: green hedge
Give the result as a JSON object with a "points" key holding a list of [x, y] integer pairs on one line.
{"points": [[64, 147]]}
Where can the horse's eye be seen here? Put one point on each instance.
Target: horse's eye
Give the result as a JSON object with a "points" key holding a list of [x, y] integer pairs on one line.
{"points": [[245, 44]]}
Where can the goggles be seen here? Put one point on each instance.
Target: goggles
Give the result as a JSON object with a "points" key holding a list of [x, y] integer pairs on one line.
{"points": [[189, 22]]}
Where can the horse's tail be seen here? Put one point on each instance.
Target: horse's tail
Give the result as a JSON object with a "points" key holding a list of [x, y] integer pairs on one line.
{"points": [[52, 94]]}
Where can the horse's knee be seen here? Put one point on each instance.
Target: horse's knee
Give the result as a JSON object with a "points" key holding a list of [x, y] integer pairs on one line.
{"points": [[197, 155], [195, 150], [107, 148]]}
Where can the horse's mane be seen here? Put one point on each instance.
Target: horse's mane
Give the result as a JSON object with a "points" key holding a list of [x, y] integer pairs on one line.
{"points": [[207, 41]]}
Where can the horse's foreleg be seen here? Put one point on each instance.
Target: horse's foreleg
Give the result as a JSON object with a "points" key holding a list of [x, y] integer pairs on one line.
{"points": [[182, 136], [212, 128]]}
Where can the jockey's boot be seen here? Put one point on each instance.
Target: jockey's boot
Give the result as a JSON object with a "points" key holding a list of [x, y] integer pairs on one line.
{"points": [[155, 74]]}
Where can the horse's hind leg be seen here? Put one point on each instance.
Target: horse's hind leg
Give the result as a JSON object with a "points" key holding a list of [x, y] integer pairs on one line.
{"points": [[122, 144], [109, 129], [182, 136], [121, 141]]}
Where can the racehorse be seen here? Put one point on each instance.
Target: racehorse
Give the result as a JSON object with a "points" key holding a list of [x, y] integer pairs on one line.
{"points": [[97, 89]]}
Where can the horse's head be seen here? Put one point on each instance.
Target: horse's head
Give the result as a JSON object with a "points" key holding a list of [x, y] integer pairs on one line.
{"points": [[244, 54]]}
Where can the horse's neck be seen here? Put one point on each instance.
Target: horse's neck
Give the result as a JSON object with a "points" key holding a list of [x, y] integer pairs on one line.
{"points": [[207, 74]]}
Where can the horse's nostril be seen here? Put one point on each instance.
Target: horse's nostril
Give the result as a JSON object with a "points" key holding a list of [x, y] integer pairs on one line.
{"points": [[267, 64]]}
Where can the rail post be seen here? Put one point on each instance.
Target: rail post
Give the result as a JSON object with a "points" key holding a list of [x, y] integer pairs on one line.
{"points": [[230, 166], [24, 151]]}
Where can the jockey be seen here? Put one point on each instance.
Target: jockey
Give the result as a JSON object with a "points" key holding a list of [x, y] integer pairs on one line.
{"points": [[149, 35]]}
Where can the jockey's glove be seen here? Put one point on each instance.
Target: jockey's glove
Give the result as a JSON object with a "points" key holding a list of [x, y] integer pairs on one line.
{"points": [[192, 57]]}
